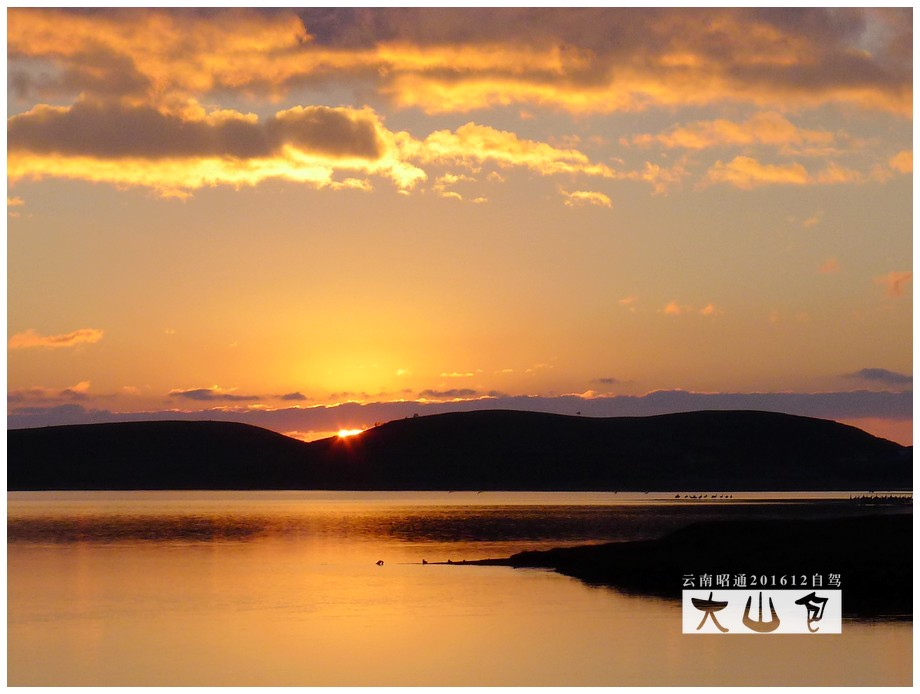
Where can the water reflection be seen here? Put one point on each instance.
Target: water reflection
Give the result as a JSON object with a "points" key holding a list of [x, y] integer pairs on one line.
{"points": [[205, 517], [284, 589]]}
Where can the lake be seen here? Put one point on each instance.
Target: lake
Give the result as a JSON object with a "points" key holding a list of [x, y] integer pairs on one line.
{"points": [[284, 588]]}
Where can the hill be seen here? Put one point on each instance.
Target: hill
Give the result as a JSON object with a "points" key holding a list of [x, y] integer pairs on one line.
{"points": [[483, 450], [153, 455]]}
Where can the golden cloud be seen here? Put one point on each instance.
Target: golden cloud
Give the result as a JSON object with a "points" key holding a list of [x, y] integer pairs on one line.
{"points": [[748, 173], [672, 308], [902, 162], [583, 61], [161, 51], [834, 173], [30, 338], [829, 267], [579, 198], [142, 75], [13, 202], [767, 128], [177, 151], [894, 282], [474, 144], [633, 89]]}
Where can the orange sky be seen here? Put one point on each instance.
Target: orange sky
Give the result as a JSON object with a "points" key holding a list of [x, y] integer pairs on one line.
{"points": [[261, 215]]}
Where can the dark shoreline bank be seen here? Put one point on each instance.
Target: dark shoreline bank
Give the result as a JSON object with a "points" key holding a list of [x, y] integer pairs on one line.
{"points": [[873, 555]]}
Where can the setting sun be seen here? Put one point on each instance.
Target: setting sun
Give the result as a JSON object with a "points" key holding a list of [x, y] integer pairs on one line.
{"points": [[345, 433]]}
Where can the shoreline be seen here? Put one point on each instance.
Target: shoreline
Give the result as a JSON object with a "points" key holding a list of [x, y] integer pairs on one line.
{"points": [[873, 555]]}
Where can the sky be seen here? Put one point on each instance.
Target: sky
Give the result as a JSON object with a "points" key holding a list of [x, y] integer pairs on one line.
{"points": [[328, 218]]}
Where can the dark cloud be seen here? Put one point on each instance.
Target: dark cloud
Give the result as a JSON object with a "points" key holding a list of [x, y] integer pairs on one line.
{"points": [[451, 393], [56, 415], [882, 376], [599, 29], [206, 395], [848, 405], [805, 52], [325, 130], [45, 395], [105, 74], [102, 73], [346, 395], [70, 394], [728, 36], [112, 130], [607, 381], [294, 396]]}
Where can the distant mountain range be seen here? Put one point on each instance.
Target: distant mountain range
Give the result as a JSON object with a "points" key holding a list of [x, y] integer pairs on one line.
{"points": [[483, 450]]}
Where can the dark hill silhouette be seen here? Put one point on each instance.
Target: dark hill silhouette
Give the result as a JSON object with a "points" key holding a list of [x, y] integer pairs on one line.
{"points": [[153, 455], [483, 450]]}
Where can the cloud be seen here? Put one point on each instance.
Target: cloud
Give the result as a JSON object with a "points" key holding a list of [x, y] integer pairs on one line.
{"points": [[607, 381], [902, 162], [834, 173], [30, 338], [814, 220], [673, 308], [450, 393], [748, 173], [587, 60], [885, 376], [472, 144], [894, 282], [660, 178], [39, 394], [830, 266], [138, 77], [211, 394], [631, 60], [108, 131], [337, 132], [846, 405], [177, 151], [190, 148], [11, 203], [156, 52], [580, 198], [77, 392], [767, 128], [294, 396]]}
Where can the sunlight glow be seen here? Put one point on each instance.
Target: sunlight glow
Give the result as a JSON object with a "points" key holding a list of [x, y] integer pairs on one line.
{"points": [[345, 433]]}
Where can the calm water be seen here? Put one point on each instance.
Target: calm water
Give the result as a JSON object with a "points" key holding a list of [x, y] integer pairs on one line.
{"points": [[282, 588]]}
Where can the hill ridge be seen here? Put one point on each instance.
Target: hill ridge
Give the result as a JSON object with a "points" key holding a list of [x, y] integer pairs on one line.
{"points": [[479, 450]]}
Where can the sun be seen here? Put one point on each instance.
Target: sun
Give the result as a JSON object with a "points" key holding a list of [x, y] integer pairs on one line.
{"points": [[345, 433]]}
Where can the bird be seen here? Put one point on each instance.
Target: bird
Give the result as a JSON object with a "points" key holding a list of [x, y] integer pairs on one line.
{"points": [[380, 562]]}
